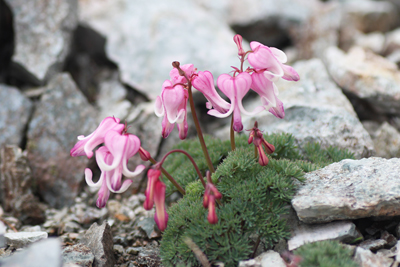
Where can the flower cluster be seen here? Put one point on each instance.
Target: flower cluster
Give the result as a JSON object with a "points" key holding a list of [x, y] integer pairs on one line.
{"points": [[112, 158], [267, 67]]}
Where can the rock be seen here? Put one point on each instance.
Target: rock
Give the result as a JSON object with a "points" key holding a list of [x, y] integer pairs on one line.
{"points": [[111, 100], [119, 249], [316, 110], [374, 41], [147, 225], [387, 141], [16, 186], [266, 259], [367, 76], [342, 231], [78, 254], [367, 259], [350, 189], [43, 31], [62, 114], [23, 239], [369, 16], [392, 41], [15, 110], [144, 56], [373, 245], [46, 253], [100, 241]]}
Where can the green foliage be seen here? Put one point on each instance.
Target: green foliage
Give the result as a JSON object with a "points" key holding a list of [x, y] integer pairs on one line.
{"points": [[254, 197], [326, 254]]}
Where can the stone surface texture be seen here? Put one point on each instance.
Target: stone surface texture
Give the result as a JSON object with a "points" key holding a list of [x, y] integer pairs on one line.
{"points": [[23, 239], [387, 141], [78, 254], [16, 185], [368, 259], [366, 75], [46, 253], [144, 55], [15, 110], [43, 31], [350, 189], [62, 114], [343, 231], [100, 241]]}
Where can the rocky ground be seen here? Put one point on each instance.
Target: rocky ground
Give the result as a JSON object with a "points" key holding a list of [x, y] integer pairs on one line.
{"points": [[67, 64]]}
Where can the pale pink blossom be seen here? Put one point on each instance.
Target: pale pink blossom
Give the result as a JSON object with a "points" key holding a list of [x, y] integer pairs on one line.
{"points": [[172, 104], [204, 82], [85, 145], [235, 88]]}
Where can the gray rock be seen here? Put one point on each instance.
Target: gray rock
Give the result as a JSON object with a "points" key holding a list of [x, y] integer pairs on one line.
{"points": [[147, 225], [100, 241], [367, 76], [119, 249], [387, 141], [43, 31], [23, 239], [369, 16], [368, 259], [78, 254], [15, 110], [144, 56], [373, 245], [16, 184], [62, 114], [392, 41], [350, 189], [46, 253], [111, 100], [304, 233]]}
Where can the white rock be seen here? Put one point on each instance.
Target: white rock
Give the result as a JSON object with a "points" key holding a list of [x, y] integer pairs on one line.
{"points": [[374, 41], [368, 259], [350, 189], [343, 231], [23, 239], [367, 76], [145, 37], [271, 258]]}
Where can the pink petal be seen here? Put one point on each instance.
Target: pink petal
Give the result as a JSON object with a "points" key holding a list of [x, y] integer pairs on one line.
{"points": [[103, 196], [264, 87], [167, 127], [290, 73], [262, 58], [161, 216], [152, 178], [176, 78], [116, 144], [204, 82], [278, 111], [212, 215], [159, 107]]}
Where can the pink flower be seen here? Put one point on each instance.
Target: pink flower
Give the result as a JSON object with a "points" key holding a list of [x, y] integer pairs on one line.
{"points": [[256, 137], [211, 193], [155, 193], [271, 60], [189, 70], [268, 92], [235, 88], [86, 144], [172, 105], [204, 82], [238, 41]]}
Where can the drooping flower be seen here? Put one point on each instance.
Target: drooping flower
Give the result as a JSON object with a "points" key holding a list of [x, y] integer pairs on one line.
{"points": [[172, 104], [271, 60], [256, 137], [121, 147], [204, 82], [235, 88], [155, 193], [210, 194], [85, 145]]}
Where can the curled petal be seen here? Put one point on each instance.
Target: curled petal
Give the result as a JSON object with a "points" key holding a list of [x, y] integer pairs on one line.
{"points": [[85, 145], [125, 185], [159, 107], [89, 179], [278, 111], [204, 82], [116, 144]]}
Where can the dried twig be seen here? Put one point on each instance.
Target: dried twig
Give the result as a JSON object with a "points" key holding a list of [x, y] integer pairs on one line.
{"points": [[201, 257]]}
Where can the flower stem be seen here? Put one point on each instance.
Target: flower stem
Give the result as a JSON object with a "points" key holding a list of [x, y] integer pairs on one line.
{"points": [[170, 178], [233, 146], [176, 65], [190, 158]]}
